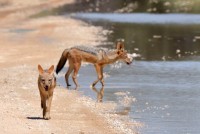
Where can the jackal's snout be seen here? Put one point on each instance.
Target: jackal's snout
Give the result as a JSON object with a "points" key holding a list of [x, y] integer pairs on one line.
{"points": [[129, 59], [128, 63], [46, 87]]}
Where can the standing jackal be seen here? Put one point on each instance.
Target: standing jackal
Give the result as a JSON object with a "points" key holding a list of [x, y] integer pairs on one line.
{"points": [[97, 56], [46, 85]]}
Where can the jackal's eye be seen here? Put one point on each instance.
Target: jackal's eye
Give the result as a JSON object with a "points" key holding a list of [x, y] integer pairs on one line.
{"points": [[50, 80], [43, 81]]}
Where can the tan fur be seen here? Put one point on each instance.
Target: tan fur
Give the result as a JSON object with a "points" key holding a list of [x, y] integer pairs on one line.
{"points": [[76, 56], [46, 85]]}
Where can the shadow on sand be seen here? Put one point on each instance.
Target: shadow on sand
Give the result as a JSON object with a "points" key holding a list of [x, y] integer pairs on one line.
{"points": [[35, 118]]}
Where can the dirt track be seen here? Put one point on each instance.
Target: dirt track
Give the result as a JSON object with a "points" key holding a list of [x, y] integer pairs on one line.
{"points": [[24, 44]]}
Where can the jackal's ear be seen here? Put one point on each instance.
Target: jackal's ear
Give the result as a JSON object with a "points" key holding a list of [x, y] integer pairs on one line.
{"points": [[120, 45], [51, 69], [40, 69], [119, 52]]}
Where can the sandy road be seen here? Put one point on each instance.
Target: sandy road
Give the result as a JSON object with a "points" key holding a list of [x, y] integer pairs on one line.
{"points": [[25, 43]]}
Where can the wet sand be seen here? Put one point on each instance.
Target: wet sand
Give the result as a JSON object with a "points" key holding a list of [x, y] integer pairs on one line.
{"points": [[26, 42]]}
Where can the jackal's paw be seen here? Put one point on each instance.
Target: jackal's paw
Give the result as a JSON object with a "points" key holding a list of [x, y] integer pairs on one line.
{"points": [[47, 116], [93, 85], [68, 85]]}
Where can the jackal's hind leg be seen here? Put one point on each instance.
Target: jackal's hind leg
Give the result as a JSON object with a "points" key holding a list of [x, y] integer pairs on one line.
{"points": [[70, 69], [74, 77]]}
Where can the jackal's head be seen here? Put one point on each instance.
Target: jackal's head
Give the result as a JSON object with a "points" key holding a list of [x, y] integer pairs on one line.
{"points": [[46, 77], [122, 53]]}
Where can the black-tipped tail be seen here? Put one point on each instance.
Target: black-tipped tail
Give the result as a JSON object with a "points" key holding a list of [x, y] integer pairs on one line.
{"points": [[62, 61]]}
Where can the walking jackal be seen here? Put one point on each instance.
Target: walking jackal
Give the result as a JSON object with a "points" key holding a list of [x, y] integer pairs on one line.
{"points": [[97, 56], [46, 85]]}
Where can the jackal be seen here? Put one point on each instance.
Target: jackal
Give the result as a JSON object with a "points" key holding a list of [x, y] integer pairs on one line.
{"points": [[46, 85], [97, 56]]}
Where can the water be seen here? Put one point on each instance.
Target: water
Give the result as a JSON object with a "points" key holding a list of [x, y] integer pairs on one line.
{"points": [[164, 79], [153, 36], [143, 18]]}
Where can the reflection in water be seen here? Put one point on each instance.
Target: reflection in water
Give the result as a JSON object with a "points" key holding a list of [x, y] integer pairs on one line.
{"points": [[125, 101], [99, 93], [124, 111], [130, 6]]}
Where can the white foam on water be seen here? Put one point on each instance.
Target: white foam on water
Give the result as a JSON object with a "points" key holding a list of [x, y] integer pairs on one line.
{"points": [[116, 65]]}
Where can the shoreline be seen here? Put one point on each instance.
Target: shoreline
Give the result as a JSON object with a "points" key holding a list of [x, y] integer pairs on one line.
{"points": [[26, 42]]}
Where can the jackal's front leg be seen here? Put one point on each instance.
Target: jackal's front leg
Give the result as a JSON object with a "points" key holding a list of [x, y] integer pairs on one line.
{"points": [[44, 107], [47, 114]]}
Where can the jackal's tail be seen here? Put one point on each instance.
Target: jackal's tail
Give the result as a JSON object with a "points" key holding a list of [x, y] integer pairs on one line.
{"points": [[62, 60]]}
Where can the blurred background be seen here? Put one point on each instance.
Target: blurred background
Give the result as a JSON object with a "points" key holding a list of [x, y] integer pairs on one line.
{"points": [[153, 29], [132, 6]]}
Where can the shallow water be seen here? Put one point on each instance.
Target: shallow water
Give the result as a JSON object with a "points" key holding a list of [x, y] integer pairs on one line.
{"points": [[166, 93]]}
